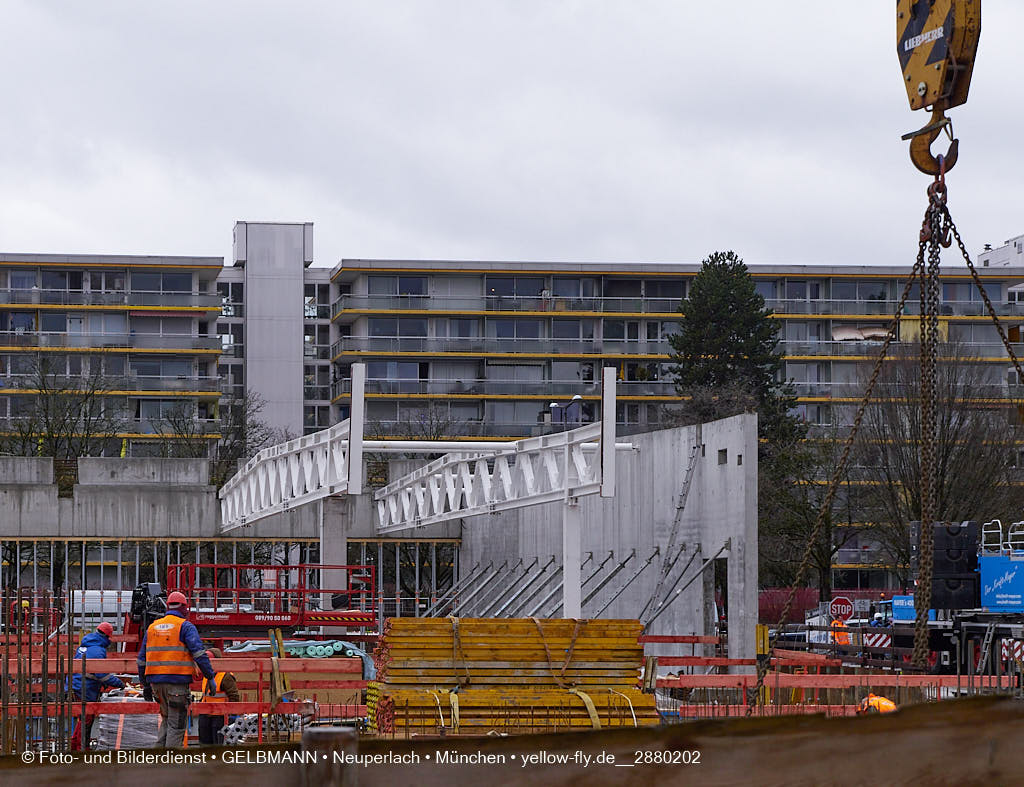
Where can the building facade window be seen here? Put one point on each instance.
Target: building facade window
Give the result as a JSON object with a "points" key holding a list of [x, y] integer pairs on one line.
{"points": [[161, 282]]}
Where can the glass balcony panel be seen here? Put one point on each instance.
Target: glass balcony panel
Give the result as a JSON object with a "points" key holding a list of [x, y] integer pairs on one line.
{"points": [[83, 298], [553, 388], [108, 340]]}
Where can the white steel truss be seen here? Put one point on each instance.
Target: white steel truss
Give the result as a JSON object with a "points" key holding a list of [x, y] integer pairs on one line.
{"points": [[302, 470], [478, 478], [539, 470]]}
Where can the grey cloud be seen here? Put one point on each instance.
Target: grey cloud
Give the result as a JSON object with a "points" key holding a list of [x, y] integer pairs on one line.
{"points": [[520, 129]]}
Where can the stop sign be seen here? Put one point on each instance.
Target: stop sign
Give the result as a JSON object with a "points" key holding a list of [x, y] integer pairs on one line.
{"points": [[841, 607]]}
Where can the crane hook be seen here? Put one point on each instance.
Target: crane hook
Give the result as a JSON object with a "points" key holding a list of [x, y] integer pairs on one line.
{"points": [[921, 144]]}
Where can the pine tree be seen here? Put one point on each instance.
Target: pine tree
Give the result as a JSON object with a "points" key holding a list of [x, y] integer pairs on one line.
{"points": [[728, 342]]}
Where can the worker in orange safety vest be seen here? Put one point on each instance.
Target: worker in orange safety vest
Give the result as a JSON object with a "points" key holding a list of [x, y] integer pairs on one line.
{"points": [[223, 688], [840, 635], [170, 650], [875, 704]]}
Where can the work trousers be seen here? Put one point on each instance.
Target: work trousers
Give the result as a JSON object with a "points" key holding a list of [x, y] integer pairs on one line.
{"points": [[173, 699], [209, 729], [78, 741]]}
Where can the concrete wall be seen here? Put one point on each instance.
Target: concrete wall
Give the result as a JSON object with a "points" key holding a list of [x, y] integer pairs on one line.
{"points": [[274, 257], [95, 471], [129, 498], [26, 470], [115, 498], [722, 505]]}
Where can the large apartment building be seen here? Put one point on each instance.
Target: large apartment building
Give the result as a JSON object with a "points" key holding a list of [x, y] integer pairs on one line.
{"points": [[487, 348], [509, 349], [453, 349], [136, 331]]}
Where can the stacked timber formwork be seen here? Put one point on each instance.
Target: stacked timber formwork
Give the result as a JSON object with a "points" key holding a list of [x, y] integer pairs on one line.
{"points": [[477, 675]]}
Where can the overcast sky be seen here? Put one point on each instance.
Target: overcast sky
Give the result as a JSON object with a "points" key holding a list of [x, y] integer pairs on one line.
{"points": [[622, 131]]}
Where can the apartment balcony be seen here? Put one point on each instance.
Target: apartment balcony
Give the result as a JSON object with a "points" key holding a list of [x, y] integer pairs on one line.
{"points": [[888, 308], [456, 429], [870, 349], [475, 429], [512, 303], [71, 298], [148, 426], [555, 389], [199, 427], [441, 345], [194, 384], [502, 303], [370, 345], [855, 390], [137, 341], [57, 383]]}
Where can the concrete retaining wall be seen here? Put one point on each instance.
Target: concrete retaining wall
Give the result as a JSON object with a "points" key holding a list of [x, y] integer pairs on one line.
{"points": [[722, 506]]}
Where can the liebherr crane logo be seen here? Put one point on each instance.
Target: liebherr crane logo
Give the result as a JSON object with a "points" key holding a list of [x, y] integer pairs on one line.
{"points": [[924, 38]]}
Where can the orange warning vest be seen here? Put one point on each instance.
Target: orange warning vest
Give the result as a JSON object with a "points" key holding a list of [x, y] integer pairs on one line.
{"points": [[166, 654], [880, 704], [839, 635], [216, 695]]}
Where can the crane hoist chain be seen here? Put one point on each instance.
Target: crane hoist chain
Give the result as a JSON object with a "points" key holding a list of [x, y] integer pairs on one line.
{"points": [[937, 230], [936, 43], [837, 476], [934, 233]]}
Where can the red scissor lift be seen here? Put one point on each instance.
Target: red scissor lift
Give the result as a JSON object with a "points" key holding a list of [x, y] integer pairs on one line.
{"points": [[241, 597]]}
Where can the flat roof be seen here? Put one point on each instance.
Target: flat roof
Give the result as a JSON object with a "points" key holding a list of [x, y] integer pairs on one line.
{"points": [[112, 259]]}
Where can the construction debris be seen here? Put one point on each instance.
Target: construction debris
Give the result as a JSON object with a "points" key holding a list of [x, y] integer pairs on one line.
{"points": [[247, 728], [478, 675]]}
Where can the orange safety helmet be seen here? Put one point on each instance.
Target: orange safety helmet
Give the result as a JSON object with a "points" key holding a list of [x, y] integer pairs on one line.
{"points": [[105, 629], [177, 599]]}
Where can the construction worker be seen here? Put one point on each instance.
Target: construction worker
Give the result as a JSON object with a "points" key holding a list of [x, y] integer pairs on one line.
{"points": [[878, 621], [875, 704], [170, 649], [21, 613], [840, 636], [93, 646], [223, 688]]}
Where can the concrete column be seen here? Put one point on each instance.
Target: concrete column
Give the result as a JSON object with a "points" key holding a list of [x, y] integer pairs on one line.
{"points": [[333, 514], [742, 566], [572, 556]]}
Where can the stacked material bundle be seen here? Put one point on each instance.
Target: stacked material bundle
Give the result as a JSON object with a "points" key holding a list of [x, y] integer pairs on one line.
{"points": [[475, 675], [131, 731]]}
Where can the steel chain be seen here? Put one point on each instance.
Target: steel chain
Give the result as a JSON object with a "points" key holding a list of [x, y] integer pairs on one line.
{"points": [[984, 296], [937, 227], [936, 236], [764, 664]]}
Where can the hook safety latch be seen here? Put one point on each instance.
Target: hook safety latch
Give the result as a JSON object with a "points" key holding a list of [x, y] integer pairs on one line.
{"points": [[921, 145]]}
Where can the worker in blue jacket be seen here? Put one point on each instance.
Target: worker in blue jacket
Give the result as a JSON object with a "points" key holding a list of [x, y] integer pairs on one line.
{"points": [[94, 646]]}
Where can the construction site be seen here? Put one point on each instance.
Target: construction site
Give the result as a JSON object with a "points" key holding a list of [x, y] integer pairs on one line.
{"points": [[547, 609]]}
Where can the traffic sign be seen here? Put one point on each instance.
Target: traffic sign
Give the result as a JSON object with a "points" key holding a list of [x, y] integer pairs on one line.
{"points": [[841, 607]]}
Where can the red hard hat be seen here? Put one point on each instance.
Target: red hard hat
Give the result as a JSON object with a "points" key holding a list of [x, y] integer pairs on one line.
{"points": [[177, 599], [105, 629]]}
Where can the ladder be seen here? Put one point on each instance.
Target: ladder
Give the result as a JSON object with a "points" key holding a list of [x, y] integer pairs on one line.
{"points": [[986, 646], [669, 562]]}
